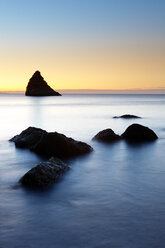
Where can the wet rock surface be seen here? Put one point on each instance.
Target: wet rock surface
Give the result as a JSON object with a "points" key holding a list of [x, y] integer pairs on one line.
{"points": [[107, 135], [37, 86], [50, 144], [28, 138], [44, 174], [139, 133]]}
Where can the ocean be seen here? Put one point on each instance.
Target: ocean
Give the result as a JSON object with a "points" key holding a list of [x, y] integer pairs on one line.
{"points": [[112, 197]]}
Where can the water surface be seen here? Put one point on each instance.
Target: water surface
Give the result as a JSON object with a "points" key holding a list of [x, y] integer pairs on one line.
{"points": [[113, 197]]}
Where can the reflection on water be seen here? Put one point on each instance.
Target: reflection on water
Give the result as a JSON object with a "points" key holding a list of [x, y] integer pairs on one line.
{"points": [[113, 197]]}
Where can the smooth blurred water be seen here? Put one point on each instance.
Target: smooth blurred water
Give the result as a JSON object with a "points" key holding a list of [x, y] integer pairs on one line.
{"points": [[113, 197]]}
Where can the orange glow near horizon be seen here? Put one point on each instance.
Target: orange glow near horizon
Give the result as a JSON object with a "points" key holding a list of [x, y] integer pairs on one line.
{"points": [[106, 68]]}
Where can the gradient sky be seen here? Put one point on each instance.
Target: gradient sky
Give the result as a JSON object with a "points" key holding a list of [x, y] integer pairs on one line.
{"points": [[83, 44]]}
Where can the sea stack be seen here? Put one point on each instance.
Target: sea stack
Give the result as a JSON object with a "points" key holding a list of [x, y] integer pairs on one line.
{"points": [[37, 86]]}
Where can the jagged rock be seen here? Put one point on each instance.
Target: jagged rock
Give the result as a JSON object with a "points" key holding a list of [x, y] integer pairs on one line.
{"points": [[127, 117], [38, 87], [106, 135], [44, 174], [139, 133], [50, 144]]}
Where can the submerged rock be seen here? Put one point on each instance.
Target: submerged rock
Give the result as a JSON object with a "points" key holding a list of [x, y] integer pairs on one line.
{"points": [[50, 144], [37, 86], [139, 133], [127, 117], [44, 174], [107, 135]]}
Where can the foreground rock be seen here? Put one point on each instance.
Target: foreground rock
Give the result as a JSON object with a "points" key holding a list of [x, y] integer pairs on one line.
{"points": [[38, 87], [106, 135], [50, 144], [139, 133], [28, 138], [127, 117], [44, 174]]}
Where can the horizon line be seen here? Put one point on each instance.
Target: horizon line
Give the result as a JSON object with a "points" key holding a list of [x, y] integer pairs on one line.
{"points": [[98, 91]]}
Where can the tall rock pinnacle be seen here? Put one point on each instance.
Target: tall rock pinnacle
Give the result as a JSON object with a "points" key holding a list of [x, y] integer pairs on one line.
{"points": [[37, 86]]}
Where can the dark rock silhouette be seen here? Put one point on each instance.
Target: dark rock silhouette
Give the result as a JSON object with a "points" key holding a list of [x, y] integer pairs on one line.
{"points": [[139, 133], [50, 144], [106, 135], [28, 138], [37, 86], [127, 117], [44, 174]]}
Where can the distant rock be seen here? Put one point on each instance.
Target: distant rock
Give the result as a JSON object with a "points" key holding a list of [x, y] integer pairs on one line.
{"points": [[139, 133], [106, 135], [44, 174], [38, 87], [127, 117], [50, 144]]}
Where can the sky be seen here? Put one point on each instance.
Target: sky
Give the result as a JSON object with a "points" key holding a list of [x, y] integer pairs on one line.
{"points": [[83, 44]]}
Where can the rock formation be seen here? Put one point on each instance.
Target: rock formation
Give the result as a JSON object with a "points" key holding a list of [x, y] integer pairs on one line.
{"points": [[139, 133], [38, 87], [127, 116], [106, 135], [50, 144], [44, 174]]}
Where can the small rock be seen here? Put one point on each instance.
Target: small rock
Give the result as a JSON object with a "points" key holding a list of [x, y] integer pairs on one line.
{"points": [[127, 117], [44, 174], [139, 133], [106, 135]]}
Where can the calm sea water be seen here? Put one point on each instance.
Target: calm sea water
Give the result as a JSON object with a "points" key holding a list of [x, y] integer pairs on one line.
{"points": [[113, 197]]}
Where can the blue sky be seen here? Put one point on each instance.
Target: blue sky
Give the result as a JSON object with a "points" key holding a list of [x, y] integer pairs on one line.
{"points": [[82, 16]]}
